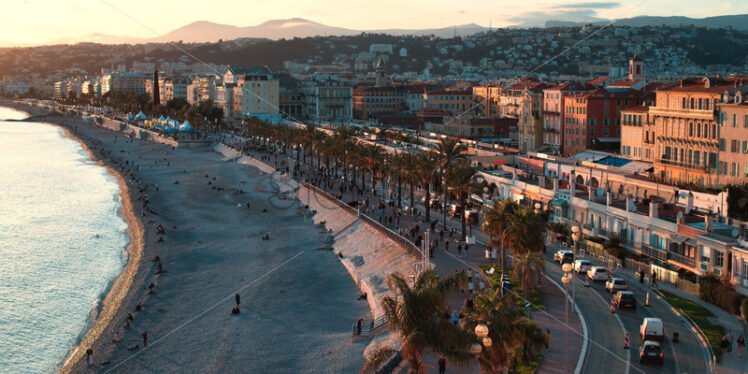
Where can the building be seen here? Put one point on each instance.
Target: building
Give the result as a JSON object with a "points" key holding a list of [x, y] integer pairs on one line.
{"points": [[175, 88], [202, 88], [687, 135], [554, 114], [255, 95], [371, 101], [477, 128], [328, 101], [733, 138], [454, 102], [124, 82], [486, 100], [530, 125], [637, 133], [593, 120], [290, 97]]}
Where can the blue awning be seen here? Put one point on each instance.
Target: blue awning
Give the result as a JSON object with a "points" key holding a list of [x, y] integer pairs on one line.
{"points": [[559, 202]]}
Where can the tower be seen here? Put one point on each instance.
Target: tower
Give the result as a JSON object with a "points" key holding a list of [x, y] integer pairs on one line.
{"points": [[156, 91], [381, 80], [636, 68]]}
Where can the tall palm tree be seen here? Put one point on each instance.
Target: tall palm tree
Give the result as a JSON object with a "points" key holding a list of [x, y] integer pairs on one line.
{"points": [[448, 150], [495, 223], [426, 168], [462, 179], [397, 170], [416, 313], [525, 232], [529, 268]]}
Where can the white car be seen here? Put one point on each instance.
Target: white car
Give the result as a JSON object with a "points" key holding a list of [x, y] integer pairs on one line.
{"points": [[598, 273], [563, 256], [581, 266], [616, 284]]}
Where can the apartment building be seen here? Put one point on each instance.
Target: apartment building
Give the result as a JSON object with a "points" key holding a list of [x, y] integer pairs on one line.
{"points": [[733, 138], [637, 133], [124, 82], [455, 102], [554, 114], [687, 141], [330, 100]]}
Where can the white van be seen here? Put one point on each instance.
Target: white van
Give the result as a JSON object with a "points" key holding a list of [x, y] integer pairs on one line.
{"points": [[652, 329]]}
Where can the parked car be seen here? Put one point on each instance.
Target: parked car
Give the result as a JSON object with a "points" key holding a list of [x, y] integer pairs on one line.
{"points": [[616, 284], [652, 329], [563, 256], [581, 266], [471, 217], [598, 273], [650, 351], [624, 299]]}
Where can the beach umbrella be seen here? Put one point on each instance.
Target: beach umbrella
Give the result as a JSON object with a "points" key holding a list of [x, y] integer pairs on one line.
{"points": [[185, 127]]}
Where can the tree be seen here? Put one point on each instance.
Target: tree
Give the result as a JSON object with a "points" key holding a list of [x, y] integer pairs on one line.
{"points": [[496, 222], [425, 170], [417, 315], [448, 151], [462, 179], [614, 248]]}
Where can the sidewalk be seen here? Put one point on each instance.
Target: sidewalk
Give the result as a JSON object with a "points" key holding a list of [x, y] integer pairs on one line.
{"points": [[731, 362], [552, 319]]}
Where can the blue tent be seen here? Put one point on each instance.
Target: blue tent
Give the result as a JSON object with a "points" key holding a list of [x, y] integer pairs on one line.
{"points": [[161, 118], [158, 126], [171, 129], [130, 117], [141, 116], [186, 126]]}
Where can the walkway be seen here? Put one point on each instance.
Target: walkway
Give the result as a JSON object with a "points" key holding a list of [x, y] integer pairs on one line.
{"points": [[552, 319]]}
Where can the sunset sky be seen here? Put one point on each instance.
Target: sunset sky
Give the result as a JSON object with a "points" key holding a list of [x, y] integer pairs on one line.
{"points": [[39, 21]]}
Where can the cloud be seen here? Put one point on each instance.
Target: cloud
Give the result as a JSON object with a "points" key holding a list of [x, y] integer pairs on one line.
{"points": [[461, 11], [597, 5], [539, 18]]}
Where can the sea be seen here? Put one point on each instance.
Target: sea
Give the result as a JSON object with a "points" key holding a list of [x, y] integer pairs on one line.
{"points": [[62, 243]]}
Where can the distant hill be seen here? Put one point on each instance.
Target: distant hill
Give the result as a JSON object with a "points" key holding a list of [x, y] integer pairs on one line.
{"points": [[738, 21]]}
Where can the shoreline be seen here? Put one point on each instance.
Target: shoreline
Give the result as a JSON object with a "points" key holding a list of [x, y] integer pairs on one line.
{"points": [[167, 306], [119, 287], [122, 284]]}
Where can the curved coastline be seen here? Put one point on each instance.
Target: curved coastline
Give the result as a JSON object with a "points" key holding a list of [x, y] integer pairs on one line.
{"points": [[121, 285]]}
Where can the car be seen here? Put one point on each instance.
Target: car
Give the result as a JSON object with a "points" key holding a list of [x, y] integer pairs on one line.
{"points": [[624, 299], [563, 256], [650, 351], [616, 284], [652, 329], [598, 273], [581, 266]]}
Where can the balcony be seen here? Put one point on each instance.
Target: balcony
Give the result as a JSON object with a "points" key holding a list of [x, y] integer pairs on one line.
{"points": [[653, 252], [681, 259], [683, 165], [550, 129]]}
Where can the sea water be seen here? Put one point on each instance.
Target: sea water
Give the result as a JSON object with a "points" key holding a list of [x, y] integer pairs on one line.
{"points": [[62, 243]]}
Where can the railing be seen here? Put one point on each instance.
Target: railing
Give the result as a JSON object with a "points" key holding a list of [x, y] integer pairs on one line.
{"points": [[389, 366], [683, 164], [368, 328], [650, 251], [685, 260]]}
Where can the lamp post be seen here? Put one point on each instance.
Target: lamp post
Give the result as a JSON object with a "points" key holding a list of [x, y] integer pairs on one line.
{"points": [[537, 208], [575, 235], [481, 331], [566, 279]]}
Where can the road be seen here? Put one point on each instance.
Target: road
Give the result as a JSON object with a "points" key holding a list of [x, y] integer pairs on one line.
{"points": [[606, 353]]}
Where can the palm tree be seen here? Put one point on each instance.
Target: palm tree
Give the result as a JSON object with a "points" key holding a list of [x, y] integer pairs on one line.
{"points": [[448, 150], [525, 232], [462, 179], [397, 170], [529, 269], [417, 314], [495, 223], [426, 167]]}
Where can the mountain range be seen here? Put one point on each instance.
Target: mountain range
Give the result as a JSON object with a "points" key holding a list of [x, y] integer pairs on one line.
{"points": [[206, 32]]}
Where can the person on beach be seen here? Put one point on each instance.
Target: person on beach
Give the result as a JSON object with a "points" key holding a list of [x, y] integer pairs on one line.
{"points": [[723, 344], [116, 338], [89, 355], [729, 341], [145, 338], [442, 365], [358, 326], [238, 298], [548, 339]]}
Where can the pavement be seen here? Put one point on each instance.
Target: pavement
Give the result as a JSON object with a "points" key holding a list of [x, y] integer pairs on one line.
{"points": [[605, 350]]}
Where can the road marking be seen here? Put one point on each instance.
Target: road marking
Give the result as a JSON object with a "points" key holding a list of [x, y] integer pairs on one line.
{"points": [[623, 329]]}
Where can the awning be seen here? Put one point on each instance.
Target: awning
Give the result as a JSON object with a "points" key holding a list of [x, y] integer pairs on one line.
{"points": [[678, 239], [559, 202], [691, 242]]}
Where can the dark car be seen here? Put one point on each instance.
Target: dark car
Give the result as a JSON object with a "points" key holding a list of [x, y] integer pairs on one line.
{"points": [[624, 299], [650, 351]]}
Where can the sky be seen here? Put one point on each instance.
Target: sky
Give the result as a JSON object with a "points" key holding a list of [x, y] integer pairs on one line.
{"points": [[43, 21]]}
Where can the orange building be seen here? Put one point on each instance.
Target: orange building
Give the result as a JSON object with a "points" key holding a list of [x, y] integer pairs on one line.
{"points": [[733, 139], [687, 137]]}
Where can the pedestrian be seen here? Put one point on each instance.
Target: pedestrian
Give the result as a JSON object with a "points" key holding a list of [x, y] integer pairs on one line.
{"points": [[446, 245], [459, 249], [145, 338], [89, 354], [471, 287], [741, 345], [548, 339], [455, 318], [641, 277], [238, 298], [358, 326], [466, 249], [723, 344], [441, 234], [116, 338], [730, 339], [654, 279], [442, 365]]}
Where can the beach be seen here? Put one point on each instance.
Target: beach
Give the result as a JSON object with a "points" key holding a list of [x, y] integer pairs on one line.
{"points": [[297, 303]]}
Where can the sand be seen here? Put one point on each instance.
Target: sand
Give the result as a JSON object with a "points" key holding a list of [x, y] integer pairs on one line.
{"points": [[298, 305]]}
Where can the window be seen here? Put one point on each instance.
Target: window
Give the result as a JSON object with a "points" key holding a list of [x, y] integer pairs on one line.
{"points": [[690, 129], [705, 254], [714, 131], [719, 258], [734, 146], [712, 160], [722, 146], [697, 157]]}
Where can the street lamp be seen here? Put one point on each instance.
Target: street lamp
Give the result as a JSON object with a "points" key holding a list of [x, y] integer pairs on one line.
{"points": [[537, 208], [566, 279], [575, 235]]}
